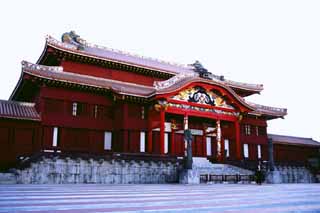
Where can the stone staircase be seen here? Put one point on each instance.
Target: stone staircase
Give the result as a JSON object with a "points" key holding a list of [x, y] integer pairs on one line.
{"points": [[204, 166]]}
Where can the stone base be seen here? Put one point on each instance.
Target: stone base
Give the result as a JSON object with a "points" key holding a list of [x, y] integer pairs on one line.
{"points": [[7, 178], [189, 176], [273, 177], [111, 171], [289, 175]]}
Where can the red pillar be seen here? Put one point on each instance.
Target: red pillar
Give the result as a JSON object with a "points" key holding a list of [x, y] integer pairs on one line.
{"points": [[149, 141], [219, 141], [162, 126], [204, 143], [172, 150], [125, 141], [185, 127], [222, 149], [125, 127], [238, 143]]}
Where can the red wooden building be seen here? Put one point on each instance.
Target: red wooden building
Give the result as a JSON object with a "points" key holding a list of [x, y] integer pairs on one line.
{"points": [[84, 98]]}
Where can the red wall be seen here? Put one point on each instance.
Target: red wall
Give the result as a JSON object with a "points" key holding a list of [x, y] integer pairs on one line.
{"points": [[85, 131], [56, 109], [120, 75], [18, 138], [291, 153]]}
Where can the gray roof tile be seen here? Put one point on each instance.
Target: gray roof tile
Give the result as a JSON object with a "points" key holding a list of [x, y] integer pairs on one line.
{"points": [[291, 140], [18, 110]]}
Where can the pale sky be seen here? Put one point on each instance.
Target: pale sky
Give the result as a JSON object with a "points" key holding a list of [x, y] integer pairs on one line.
{"points": [[275, 43]]}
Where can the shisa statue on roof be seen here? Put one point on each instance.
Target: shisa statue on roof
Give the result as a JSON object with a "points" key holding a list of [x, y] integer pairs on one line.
{"points": [[73, 38], [198, 67]]}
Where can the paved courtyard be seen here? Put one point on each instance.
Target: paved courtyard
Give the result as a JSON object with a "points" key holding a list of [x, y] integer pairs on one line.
{"points": [[160, 198]]}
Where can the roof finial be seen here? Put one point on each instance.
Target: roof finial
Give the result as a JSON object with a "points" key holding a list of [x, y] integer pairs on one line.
{"points": [[73, 38], [199, 68], [203, 72]]}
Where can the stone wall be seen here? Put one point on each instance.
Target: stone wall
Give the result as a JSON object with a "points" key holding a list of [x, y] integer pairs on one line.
{"points": [[114, 171], [290, 174]]}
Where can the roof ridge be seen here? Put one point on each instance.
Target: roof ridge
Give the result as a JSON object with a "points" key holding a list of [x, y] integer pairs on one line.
{"points": [[136, 55], [51, 39], [291, 136]]}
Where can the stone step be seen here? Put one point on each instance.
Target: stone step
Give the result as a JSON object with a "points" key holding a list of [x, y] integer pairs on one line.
{"points": [[204, 166]]}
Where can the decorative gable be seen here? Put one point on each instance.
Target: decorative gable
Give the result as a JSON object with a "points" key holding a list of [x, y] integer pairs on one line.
{"points": [[202, 96]]}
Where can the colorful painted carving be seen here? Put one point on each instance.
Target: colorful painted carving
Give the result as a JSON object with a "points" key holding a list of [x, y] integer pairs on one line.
{"points": [[202, 96]]}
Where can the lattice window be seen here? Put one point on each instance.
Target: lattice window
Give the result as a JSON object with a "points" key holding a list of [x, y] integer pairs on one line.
{"points": [[259, 151], [95, 111], [74, 108], [55, 141], [107, 140], [142, 141], [142, 112], [226, 147], [208, 143], [247, 129], [166, 143], [246, 150]]}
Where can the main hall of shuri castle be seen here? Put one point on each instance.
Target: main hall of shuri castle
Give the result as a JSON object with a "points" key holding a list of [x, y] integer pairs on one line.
{"points": [[82, 104]]}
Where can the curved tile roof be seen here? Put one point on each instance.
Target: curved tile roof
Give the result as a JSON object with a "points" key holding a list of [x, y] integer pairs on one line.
{"points": [[175, 83], [121, 56], [105, 53], [261, 109], [291, 140], [57, 74], [18, 110]]}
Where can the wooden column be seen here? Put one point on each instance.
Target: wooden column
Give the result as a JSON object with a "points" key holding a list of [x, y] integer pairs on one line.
{"points": [[172, 145], [149, 147], [219, 145], [125, 136], [223, 155], [162, 128], [238, 142], [149, 140], [204, 143], [185, 127]]}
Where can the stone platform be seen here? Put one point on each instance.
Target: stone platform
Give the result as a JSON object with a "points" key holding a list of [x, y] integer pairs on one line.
{"points": [[246, 198], [189, 176], [59, 170], [290, 174]]}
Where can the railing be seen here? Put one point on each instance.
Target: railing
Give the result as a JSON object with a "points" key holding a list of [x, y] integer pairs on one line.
{"points": [[25, 161], [205, 178], [245, 164]]}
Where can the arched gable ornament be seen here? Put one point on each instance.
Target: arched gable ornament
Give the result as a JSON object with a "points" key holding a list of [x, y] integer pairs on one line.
{"points": [[202, 96]]}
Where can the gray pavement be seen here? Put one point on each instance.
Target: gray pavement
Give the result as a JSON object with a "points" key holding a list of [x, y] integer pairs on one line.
{"points": [[160, 198]]}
